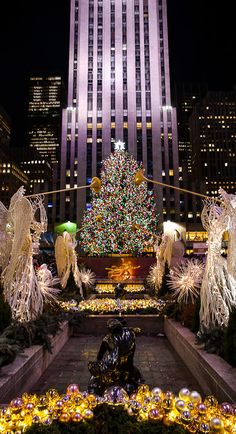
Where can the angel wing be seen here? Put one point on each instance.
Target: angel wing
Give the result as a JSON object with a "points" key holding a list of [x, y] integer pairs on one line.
{"points": [[21, 215], [61, 255], [6, 236], [4, 216], [164, 251]]}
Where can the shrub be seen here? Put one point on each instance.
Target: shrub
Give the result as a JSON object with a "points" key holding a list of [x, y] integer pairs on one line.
{"points": [[164, 289], [5, 313], [106, 420], [229, 349]]}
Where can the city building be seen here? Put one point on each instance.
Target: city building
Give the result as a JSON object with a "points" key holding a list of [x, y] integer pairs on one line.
{"points": [[213, 140], [11, 175], [11, 178], [118, 90], [40, 175], [46, 97], [5, 129], [38, 170], [186, 96]]}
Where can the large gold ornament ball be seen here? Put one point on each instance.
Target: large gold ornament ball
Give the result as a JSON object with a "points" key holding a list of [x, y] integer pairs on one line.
{"points": [[211, 401], [216, 425], [195, 397], [184, 394], [77, 417], [64, 417], [143, 389], [72, 389], [155, 414], [180, 404], [88, 414]]}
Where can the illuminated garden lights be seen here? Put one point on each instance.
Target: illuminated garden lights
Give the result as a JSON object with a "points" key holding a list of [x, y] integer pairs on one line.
{"points": [[109, 305], [129, 288]]}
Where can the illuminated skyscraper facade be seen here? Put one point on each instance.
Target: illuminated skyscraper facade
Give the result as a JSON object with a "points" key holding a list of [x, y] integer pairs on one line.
{"points": [[212, 135], [118, 89], [5, 129], [44, 116]]}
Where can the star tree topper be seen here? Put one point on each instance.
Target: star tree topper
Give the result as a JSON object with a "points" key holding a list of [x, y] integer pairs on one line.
{"points": [[119, 146]]}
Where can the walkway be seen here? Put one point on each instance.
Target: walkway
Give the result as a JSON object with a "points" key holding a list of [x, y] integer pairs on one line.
{"points": [[158, 362]]}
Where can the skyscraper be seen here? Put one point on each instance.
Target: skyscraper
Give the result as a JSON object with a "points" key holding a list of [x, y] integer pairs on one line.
{"points": [[44, 115], [213, 134], [118, 89], [11, 175], [5, 129], [187, 95]]}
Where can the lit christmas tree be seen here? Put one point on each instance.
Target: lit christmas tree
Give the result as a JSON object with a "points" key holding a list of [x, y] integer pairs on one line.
{"points": [[122, 215]]}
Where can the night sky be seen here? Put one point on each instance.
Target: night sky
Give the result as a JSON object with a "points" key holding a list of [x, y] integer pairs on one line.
{"points": [[34, 37]]}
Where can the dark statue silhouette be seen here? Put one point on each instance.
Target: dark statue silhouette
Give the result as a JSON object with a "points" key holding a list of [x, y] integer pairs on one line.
{"points": [[114, 365]]}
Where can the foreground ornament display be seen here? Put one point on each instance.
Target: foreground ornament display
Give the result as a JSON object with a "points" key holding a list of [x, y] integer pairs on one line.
{"points": [[24, 290], [186, 409]]}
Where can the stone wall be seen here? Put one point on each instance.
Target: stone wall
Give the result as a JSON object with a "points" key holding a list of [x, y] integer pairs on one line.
{"points": [[214, 375]]}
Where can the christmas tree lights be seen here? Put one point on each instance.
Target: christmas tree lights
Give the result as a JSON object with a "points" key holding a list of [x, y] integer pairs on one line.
{"points": [[108, 225]]}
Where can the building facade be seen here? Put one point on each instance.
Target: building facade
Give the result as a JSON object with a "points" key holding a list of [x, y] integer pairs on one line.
{"points": [[44, 116], [38, 170], [118, 89], [5, 129], [213, 139], [11, 175], [186, 96]]}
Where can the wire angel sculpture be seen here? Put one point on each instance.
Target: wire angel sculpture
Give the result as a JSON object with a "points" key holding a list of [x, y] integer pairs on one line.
{"points": [[6, 236], [21, 286], [66, 260], [229, 201], [163, 256], [218, 290]]}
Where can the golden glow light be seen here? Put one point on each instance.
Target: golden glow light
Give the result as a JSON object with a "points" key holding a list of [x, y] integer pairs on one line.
{"points": [[108, 288], [108, 305]]}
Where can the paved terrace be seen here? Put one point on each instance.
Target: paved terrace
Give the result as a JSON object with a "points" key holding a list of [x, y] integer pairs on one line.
{"points": [[158, 362]]}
